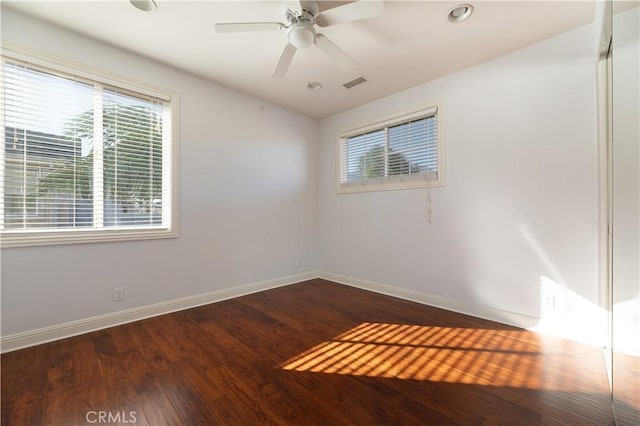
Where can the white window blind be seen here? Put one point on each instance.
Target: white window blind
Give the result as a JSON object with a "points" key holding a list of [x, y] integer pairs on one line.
{"points": [[78, 155], [399, 151]]}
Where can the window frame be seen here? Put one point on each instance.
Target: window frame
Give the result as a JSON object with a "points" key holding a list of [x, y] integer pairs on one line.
{"points": [[65, 67], [418, 180]]}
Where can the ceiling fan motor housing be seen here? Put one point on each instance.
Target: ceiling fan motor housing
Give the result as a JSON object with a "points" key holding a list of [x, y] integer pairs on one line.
{"points": [[301, 33]]}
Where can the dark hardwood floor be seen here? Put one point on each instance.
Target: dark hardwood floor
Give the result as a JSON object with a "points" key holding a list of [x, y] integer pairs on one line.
{"points": [[314, 353]]}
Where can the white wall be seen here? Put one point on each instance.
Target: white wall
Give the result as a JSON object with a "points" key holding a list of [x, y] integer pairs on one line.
{"points": [[247, 195], [517, 220]]}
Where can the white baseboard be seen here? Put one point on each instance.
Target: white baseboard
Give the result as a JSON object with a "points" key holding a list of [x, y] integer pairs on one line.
{"points": [[586, 326], [60, 331], [493, 314]]}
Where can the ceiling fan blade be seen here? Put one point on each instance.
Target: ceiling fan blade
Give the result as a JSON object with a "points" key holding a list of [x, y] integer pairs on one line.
{"points": [[354, 11], [310, 6], [299, 5], [285, 60], [336, 54], [235, 27], [292, 4]]}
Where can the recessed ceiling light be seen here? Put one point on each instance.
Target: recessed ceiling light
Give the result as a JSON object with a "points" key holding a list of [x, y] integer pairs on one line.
{"points": [[314, 85], [144, 5], [460, 13]]}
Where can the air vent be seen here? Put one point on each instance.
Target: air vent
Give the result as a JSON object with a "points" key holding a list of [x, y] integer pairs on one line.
{"points": [[354, 82]]}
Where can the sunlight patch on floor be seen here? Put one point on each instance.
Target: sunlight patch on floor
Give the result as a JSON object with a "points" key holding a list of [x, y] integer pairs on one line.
{"points": [[443, 354]]}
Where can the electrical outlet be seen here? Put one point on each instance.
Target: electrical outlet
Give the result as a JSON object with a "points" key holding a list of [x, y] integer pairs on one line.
{"points": [[118, 293], [549, 303]]}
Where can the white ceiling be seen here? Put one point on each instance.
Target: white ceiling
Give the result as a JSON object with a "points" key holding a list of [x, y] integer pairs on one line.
{"points": [[411, 43]]}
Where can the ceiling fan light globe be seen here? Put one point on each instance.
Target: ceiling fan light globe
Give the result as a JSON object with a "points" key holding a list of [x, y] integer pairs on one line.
{"points": [[301, 36], [144, 5]]}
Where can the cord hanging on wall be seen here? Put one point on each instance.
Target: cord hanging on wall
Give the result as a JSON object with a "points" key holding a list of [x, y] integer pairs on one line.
{"points": [[429, 204]]}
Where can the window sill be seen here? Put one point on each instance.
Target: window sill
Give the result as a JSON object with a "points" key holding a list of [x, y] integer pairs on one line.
{"points": [[405, 182], [36, 238]]}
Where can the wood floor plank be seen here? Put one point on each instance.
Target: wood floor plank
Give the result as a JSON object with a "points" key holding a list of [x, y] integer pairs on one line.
{"points": [[157, 409], [313, 353], [25, 371], [186, 401], [118, 402], [21, 412], [249, 377], [63, 408]]}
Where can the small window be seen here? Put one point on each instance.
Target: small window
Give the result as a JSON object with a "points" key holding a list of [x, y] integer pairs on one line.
{"points": [[403, 152], [82, 160]]}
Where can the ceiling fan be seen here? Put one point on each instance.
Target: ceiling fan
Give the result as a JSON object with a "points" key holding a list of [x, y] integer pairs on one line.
{"points": [[301, 31]]}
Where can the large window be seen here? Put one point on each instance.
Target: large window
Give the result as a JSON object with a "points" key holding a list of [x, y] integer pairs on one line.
{"points": [[82, 160], [402, 152]]}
